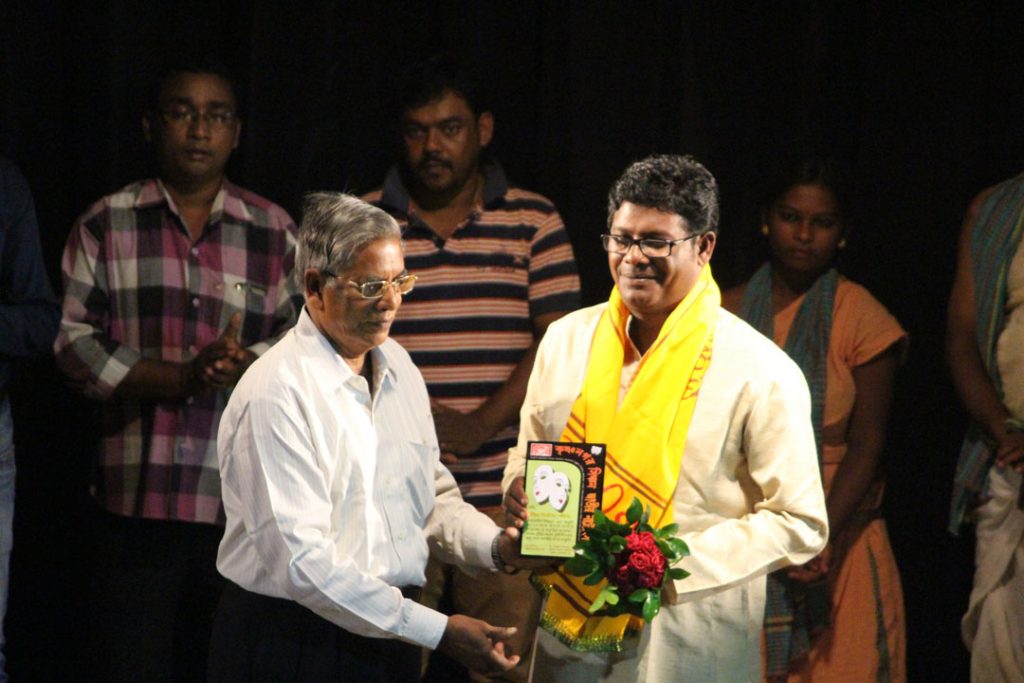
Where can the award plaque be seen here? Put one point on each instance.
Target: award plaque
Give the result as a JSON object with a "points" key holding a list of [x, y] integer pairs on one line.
{"points": [[563, 490]]}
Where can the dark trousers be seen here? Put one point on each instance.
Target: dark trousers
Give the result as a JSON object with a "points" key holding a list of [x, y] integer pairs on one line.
{"points": [[259, 639], [154, 591]]}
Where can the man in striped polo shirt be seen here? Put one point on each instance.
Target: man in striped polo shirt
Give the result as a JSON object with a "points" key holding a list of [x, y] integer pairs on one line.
{"points": [[495, 268]]}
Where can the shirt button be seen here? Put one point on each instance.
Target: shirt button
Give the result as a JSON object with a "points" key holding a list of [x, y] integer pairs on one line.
{"points": [[195, 251], [195, 302]]}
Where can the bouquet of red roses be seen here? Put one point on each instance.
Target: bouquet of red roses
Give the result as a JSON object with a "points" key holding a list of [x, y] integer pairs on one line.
{"points": [[634, 559]]}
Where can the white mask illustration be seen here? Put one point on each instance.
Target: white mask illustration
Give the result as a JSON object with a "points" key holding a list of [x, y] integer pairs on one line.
{"points": [[542, 483], [559, 491]]}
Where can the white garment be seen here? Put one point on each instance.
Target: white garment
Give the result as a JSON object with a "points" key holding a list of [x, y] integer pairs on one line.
{"points": [[332, 494], [993, 627], [748, 501]]}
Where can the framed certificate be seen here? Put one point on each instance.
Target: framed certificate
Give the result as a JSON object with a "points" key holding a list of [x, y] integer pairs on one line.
{"points": [[563, 486]]}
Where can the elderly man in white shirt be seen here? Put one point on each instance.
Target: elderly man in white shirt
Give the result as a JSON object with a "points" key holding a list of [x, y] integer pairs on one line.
{"points": [[333, 488]]}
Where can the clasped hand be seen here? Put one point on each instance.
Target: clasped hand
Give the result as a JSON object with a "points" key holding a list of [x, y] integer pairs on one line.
{"points": [[458, 433], [219, 364]]}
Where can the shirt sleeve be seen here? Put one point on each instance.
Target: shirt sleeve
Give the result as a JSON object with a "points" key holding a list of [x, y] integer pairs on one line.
{"points": [[291, 294], [457, 532], [864, 327], [554, 283], [789, 521], [29, 313], [531, 423], [93, 361], [269, 462]]}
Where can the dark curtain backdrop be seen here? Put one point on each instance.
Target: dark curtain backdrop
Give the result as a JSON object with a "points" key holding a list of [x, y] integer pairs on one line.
{"points": [[920, 102]]}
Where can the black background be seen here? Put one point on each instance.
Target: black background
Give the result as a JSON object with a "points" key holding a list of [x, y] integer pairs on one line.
{"points": [[920, 102]]}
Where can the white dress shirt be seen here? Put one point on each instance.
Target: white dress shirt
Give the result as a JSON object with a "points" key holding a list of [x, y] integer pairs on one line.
{"points": [[332, 493]]}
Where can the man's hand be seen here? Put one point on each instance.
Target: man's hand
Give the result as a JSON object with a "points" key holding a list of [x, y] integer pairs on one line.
{"points": [[458, 433], [478, 645], [509, 550], [1010, 449], [813, 570], [219, 364], [514, 503]]}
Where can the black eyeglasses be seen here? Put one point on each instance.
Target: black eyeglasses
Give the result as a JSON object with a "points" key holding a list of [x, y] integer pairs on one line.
{"points": [[187, 116], [374, 289], [649, 246]]}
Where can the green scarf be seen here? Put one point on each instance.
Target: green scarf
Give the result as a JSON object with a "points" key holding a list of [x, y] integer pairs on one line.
{"points": [[795, 611]]}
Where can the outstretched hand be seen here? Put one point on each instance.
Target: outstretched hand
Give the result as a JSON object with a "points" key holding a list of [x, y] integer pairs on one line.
{"points": [[510, 550], [478, 645]]}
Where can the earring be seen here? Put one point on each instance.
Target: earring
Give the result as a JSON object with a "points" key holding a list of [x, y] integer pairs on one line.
{"points": [[764, 229], [842, 243]]}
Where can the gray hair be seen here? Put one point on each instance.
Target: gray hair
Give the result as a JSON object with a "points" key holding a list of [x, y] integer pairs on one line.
{"points": [[335, 229]]}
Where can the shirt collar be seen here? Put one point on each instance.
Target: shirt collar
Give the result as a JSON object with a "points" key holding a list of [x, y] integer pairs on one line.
{"points": [[228, 202], [318, 347], [395, 196]]}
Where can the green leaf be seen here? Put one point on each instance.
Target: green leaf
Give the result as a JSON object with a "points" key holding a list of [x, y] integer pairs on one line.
{"points": [[678, 573], [611, 594], [616, 610], [594, 578], [635, 511], [620, 529], [668, 530], [580, 565], [639, 595], [679, 546], [645, 517], [652, 605], [598, 602], [600, 519], [616, 544], [665, 549]]}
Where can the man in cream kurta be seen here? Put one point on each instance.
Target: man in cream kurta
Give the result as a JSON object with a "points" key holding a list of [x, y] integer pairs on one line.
{"points": [[748, 498]]}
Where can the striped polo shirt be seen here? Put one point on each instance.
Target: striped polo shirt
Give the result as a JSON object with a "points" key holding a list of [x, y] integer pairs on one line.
{"points": [[470, 318]]}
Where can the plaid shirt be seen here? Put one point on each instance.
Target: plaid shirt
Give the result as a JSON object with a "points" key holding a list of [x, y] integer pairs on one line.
{"points": [[136, 287]]}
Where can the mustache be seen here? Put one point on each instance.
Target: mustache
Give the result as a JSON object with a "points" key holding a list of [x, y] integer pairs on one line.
{"points": [[434, 158]]}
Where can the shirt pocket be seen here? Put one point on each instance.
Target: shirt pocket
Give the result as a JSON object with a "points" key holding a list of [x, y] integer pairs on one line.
{"points": [[241, 295], [417, 489]]}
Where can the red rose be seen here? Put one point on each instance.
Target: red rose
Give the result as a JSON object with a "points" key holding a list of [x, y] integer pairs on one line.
{"points": [[641, 541], [647, 561], [640, 565], [623, 579], [652, 571], [640, 561]]}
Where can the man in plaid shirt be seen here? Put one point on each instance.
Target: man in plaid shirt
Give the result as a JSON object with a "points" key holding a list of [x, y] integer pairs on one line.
{"points": [[173, 286]]}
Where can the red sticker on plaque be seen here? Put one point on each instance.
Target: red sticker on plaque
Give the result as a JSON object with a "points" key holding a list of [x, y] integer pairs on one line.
{"points": [[540, 450]]}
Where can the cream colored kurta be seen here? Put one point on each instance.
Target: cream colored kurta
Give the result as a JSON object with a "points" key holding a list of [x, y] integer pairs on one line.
{"points": [[749, 498]]}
